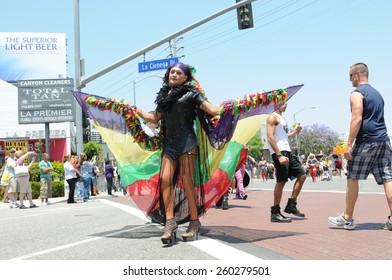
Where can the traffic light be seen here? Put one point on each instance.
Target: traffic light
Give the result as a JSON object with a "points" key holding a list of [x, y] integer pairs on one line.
{"points": [[244, 16], [86, 128]]}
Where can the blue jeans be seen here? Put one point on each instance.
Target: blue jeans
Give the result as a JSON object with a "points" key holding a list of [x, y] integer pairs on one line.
{"points": [[78, 189], [122, 187], [109, 186], [86, 188]]}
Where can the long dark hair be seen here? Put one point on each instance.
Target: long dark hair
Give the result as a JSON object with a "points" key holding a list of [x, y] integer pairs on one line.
{"points": [[188, 71], [164, 100]]}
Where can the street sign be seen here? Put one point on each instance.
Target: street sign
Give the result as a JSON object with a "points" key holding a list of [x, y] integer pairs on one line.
{"points": [[45, 101], [157, 64]]}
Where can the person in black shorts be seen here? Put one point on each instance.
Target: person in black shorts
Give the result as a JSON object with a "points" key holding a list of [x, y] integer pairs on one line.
{"points": [[286, 165]]}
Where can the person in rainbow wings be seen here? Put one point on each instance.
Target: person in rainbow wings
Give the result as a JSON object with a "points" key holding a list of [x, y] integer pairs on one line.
{"points": [[179, 173]]}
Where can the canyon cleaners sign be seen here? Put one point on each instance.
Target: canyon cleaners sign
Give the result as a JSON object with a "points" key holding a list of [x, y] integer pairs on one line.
{"points": [[46, 101]]}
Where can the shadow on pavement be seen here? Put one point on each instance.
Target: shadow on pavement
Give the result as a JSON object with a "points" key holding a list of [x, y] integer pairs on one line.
{"points": [[233, 234]]}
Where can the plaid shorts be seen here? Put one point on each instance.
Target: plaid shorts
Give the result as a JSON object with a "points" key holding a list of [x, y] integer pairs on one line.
{"points": [[372, 157]]}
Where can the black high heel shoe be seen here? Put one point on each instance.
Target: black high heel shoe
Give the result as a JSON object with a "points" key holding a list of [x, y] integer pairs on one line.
{"points": [[192, 233], [170, 233]]}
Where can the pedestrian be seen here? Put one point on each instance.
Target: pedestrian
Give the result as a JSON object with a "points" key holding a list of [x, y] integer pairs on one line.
{"points": [[45, 167], [176, 104], [263, 169], [190, 162], [5, 176], [94, 180], [270, 170], [368, 146], [240, 189], [311, 162], [86, 167], [286, 165], [120, 185], [116, 186], [12, 185], [223, 201], [338, 167], [22, 175], [70, 175], [239, 177], [109, 175], [79, 182], [250, 164], [329, 165]]}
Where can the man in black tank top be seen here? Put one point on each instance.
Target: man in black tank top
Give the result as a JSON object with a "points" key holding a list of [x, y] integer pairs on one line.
{"points": [[372, 150]]}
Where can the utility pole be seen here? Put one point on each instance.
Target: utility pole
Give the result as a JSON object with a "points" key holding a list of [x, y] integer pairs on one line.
{"points": [[78, 84], [135, 82]]}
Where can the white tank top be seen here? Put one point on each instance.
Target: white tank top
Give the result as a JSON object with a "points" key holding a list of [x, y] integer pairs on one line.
{"points": [[281, 137]]}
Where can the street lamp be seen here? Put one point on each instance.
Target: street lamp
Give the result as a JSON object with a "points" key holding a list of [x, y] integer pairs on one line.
{"points": [[134, 87], [296, 135]]}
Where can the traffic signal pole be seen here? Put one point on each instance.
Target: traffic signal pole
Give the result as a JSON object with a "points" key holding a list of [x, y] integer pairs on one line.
{"points": [[81, 82], [78, 84], [166, 39]]}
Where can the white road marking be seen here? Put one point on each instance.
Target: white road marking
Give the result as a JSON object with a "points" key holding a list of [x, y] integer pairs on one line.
{"points": [[129, 209], [212, 247], [222, 251]]}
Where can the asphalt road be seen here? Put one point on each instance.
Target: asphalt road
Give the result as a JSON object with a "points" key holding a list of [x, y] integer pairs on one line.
{"points": [[113, 229]]}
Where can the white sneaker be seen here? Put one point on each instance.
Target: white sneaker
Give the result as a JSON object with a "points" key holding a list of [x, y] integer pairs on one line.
{"points": [[14, 205], [88, 200], [340, 221], [44, 204], [388, 224], [48, 202]]}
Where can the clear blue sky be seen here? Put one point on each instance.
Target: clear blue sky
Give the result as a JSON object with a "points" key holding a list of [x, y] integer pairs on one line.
{"points": [[293, 42]]}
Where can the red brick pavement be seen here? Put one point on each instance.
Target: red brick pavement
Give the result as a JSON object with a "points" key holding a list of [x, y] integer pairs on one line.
{"points": [[311, 238]]}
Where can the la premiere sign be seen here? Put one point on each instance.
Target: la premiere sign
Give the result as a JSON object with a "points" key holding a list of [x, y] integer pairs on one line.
{"points": [[46, 101]]}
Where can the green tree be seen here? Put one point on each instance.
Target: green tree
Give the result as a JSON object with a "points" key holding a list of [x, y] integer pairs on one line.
{"points": [[255, 146], [316, 138], [92, 149]]}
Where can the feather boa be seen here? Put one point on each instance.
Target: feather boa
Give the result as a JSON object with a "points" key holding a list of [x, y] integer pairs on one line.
{"points": [[234, 107]]}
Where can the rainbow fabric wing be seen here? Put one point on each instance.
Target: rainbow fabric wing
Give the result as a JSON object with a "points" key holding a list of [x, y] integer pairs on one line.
{"points": [[139, 167]]}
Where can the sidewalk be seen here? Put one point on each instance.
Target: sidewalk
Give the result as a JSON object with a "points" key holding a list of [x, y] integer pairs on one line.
{"points": [[37, 201], [310, 238]]}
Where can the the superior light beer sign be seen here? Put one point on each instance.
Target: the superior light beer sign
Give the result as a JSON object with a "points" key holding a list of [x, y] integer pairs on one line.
{"points": [[46, 101], [31, 56]]}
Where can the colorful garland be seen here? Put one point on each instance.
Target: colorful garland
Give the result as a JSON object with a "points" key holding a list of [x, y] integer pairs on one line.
{"points": [[256, 100], [132, 119]]}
